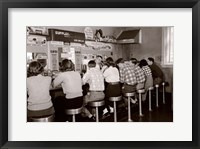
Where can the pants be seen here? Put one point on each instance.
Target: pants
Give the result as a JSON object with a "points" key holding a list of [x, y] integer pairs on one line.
{"points": [[92, 96], [61, 103], [112, 90]]}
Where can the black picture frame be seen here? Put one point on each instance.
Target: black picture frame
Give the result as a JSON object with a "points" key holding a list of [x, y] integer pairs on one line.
{"points": [[6, 4]]}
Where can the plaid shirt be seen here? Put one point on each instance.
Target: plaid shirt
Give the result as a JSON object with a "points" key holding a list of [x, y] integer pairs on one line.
{"points": [[127, 75], [140, 76], [147, 70]]}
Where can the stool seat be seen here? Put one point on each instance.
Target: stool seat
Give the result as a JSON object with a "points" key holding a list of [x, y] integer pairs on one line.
{"points": [[73, 111], [129, 94], [49, 118], [115, 98], [156, 85], [151, 88], [141, 91], [96, 103]]}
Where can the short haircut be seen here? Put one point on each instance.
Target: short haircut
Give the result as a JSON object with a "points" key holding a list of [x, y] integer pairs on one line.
{"points": [[91, 64], [35, 68], [67, 65], [143, 62], [151, 59], [120, 60], [134, 60], [110, 61]]}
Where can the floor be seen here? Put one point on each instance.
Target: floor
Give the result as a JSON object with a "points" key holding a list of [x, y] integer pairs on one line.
{"points": [[163, 113]]}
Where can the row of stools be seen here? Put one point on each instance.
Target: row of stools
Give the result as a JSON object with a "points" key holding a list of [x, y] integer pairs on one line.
{"points": [[97, 104]]}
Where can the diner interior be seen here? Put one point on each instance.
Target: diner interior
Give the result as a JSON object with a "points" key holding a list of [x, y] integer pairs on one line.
{"points": [[51, 46]]}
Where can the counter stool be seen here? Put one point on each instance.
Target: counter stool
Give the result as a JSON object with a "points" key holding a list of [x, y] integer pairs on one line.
{"points": [[150, 89], [129, 95], [163, 84], [157, 86], [49, 118], [97, 104], [73, 112], [140, 92], [114, 100]]}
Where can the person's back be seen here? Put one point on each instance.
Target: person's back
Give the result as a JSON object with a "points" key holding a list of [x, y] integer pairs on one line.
{"points": [[94, 77], [127, 75], [70, 82], [38, 91], [156, 71]]}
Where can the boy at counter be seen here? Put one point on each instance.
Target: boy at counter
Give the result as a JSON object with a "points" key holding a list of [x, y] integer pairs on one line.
{"points": [[71, 83], [38, 86], [95, 79]]}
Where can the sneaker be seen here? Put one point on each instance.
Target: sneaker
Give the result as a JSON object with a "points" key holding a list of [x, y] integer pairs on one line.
{"points": [[104, 116], [134, 101], [92, 119]]}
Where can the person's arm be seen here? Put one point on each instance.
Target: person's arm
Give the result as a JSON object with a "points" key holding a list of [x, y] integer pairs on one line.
{"points": [[85, 78], [105, 73], [58, 80], [121, 74]]}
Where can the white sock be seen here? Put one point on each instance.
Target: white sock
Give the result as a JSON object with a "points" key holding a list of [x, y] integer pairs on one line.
{"points": [[111, 109], [105, 111], [90, 116]]}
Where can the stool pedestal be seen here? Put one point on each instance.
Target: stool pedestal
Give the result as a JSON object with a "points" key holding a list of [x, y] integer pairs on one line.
{"points": [[97, 104], [150, 89], [73, 112], [163, 84], [157, 86], [140, 92], [114, 100], [129, 95]]}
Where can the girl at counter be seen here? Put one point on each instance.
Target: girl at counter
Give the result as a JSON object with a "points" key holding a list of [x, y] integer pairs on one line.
{"points": [[113, 87], [71, 83], [38, 86], [148, 75]]}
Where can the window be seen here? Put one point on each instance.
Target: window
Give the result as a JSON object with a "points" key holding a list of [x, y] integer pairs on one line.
{"points": [[167, 46]]}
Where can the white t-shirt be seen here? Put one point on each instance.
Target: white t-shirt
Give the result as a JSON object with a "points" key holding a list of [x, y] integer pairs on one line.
{"points": [[71, 83], [38, 91], [111, 74]]}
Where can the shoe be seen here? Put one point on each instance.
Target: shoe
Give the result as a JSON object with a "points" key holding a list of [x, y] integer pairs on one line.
{"points": [[134, 101], [92, 119], [104, 116]]}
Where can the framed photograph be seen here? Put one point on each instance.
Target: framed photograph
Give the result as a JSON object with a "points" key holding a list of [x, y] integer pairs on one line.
{"points": [[42, 40]]}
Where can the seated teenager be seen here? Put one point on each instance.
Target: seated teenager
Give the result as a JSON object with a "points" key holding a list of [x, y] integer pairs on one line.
{"points": [[95, 79], [71, 83]]}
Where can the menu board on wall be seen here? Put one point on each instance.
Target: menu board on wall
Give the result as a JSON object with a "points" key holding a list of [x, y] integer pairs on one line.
{"points": [[53, 59], [66, 36], [78, 60]]}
